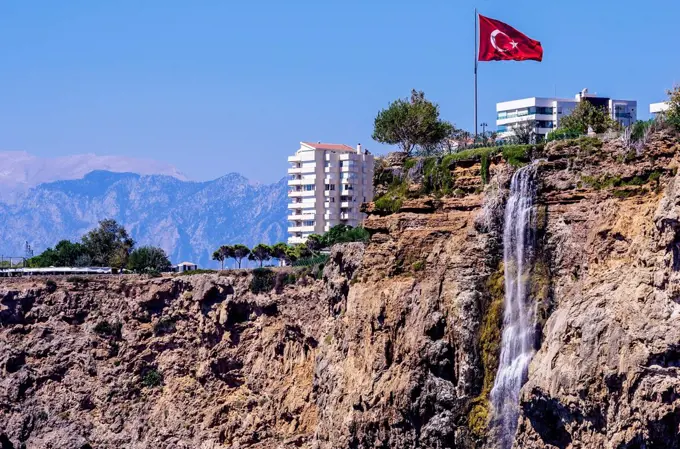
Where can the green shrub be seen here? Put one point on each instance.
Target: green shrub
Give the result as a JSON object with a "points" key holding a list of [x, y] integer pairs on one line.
{"points": [[284, 278], [104, 328], [409, 164], [388, 204], [419, 265], [152, 378], [263, 280], [310, 261], [563, 134], [166, 325], [484, 171], [437, 179], [515, 155], [519, 155], [51, 286], [639, 129]]}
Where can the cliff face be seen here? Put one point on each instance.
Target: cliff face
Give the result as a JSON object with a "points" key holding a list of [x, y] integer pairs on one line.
{"points": [[397, 346], [606, 373]]}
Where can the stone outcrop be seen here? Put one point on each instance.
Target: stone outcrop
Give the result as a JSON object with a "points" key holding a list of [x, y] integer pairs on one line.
{"points": [[395, 346], [607, 373]]}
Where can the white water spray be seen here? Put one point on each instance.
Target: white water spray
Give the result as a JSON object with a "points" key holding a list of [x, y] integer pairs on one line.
{"points": [[517, 344]]}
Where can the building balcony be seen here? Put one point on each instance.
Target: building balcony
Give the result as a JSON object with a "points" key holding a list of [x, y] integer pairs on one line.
{"points": [[301, 193], [301, 205], [301, 216], [296, 240], [524, 118], [297, 182], [296, 158], [300, 228], [349, 168]]}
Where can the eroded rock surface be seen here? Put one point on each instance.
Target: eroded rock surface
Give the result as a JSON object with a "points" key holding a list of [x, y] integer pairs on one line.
{"points": [[395, 347]]}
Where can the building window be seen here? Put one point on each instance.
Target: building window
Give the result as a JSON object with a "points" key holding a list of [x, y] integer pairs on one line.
{"points": [[502, 115], [330, 187], [309, 187], [540, 110], [308, 222]]}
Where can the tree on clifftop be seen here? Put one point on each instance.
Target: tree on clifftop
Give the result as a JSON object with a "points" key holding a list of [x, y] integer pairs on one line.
{"points": [[411, 123], [261, 253], [587, 115], [222, 253], [109, 244], [148, 258], [673, 114], [239, 253]]}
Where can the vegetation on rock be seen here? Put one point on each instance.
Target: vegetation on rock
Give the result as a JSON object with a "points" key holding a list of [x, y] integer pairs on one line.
{"points": [[585, 116], [411, 124], [148, 259], [490, 344]]}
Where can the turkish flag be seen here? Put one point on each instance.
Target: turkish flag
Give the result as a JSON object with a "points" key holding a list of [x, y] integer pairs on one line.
{"points": [[499, 41]]}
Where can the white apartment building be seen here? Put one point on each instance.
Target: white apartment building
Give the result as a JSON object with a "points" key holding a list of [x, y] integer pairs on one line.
{"points": [[327, 184], [544, 114], [658, 108]]}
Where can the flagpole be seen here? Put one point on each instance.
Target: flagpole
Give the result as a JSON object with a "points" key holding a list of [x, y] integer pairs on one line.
{"points": [[475, 74]]}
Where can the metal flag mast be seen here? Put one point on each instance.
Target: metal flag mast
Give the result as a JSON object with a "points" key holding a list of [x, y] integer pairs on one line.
{"points": [[475, 74]]}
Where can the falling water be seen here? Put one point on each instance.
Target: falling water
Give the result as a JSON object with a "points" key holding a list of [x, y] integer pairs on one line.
{"points": [[517, 344]]}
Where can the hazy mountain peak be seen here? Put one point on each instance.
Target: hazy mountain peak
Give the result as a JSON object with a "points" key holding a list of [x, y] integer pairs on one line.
{"points": [[187, 219], [19, 170]]}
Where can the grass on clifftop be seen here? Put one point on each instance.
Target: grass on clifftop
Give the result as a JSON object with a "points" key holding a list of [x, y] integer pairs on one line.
{"points": [[434, 174], [515, 155]]}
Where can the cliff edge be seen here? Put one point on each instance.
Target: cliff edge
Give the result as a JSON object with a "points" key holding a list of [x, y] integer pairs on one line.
{"points": [[396, 343]]}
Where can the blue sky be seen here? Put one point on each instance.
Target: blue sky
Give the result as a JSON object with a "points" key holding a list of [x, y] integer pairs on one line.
{"points": [[220, 86]]}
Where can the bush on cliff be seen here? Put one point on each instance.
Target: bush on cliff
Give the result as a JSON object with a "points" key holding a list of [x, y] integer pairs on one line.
{"points": [[673, 115], [152, 378], [148, 259], [263, 280]]}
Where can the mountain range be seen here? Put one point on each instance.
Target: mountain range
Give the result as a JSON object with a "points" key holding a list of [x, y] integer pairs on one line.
{"points": [[188, 219]]}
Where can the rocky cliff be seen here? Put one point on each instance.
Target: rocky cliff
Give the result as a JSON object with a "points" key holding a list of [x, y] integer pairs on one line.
{"points": [[394, 345]]}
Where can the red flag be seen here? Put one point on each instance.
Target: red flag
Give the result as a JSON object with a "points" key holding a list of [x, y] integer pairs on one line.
{"points": [[499, 41]]}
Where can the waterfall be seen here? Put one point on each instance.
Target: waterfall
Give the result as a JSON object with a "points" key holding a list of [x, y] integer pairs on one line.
{"points": [[517, 343]]}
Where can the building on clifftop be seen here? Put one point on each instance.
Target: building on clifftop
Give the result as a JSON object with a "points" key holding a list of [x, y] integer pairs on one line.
{"points": [[326, 186], [544, 114]]}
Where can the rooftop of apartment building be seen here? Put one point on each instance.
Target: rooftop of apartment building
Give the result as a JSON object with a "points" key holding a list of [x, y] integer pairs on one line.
{"points": [[328, 146], [583, 94]]}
